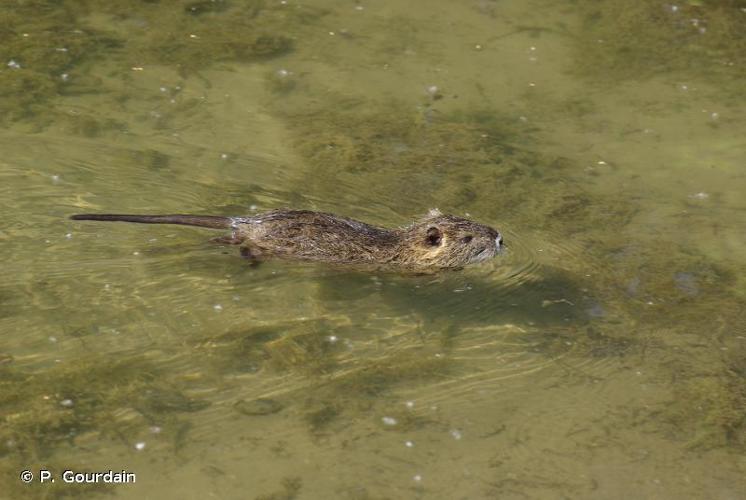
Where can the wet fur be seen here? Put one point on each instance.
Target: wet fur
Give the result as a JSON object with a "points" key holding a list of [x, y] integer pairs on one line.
{"points": [[435, 241]]}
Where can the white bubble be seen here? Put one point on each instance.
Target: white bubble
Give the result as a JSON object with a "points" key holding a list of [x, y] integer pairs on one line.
{"points": [[217, 307], [409, 444], [456, 434], [67, 403], [140, 446], [389, 421]]}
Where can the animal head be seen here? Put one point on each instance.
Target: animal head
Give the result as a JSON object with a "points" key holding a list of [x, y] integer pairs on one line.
{"points": [[447, 241]]}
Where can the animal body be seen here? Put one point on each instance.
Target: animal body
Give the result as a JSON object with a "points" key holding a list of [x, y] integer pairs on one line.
{"points": [[436, 241]]}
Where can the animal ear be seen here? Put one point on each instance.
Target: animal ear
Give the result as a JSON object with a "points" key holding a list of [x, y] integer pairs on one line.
{"points": [[434, 236]]}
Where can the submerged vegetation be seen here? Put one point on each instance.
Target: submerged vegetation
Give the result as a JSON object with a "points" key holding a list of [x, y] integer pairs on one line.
{"points": [[465, 162], [39, 46], [47, 46], [65, 404], [486, 166], [712, 409], [650, 37], [74, 406]]}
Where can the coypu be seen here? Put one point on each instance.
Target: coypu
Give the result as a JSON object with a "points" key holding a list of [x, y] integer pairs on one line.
{"points": [[436, 241]]}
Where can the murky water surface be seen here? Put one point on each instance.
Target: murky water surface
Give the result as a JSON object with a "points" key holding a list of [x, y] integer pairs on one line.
{"points": [[604, 356]]}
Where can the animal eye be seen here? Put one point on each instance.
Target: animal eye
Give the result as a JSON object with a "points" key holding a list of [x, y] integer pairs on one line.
{"points": [[467, 238]]}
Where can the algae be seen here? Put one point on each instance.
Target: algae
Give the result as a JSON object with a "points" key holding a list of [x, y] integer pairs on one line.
{"points": [[354, 392], [48, 46], [711, 411], [47, 411], [462, 162], [651, 288], [620, 41], [665, 282], [285, 347], [308, 351], [684, 311], [40, 44], [201, 34], [256, 407], [332, 387], [83, 405], [291, 487]]}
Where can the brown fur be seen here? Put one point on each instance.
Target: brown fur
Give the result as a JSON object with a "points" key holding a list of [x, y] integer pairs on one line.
{"points": [[433, 242]]}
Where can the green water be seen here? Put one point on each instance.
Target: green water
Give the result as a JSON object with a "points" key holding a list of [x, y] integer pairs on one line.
{"points": [[604, 356]]}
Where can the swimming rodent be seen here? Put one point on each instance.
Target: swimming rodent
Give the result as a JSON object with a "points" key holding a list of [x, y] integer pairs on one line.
{"points": [[436, 241]]}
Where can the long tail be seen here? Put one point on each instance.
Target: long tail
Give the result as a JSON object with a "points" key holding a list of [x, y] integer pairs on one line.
{"points": [[184, 220]]}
